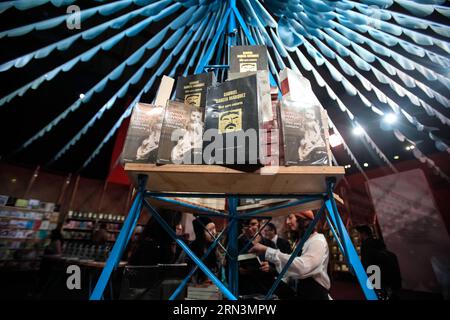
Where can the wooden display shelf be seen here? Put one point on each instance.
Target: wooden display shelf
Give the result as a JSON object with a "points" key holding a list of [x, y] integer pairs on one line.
{"points": [[224, 180], [221, 179]]}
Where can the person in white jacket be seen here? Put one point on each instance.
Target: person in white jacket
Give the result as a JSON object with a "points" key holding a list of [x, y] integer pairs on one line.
{"points": [[310, 267]]}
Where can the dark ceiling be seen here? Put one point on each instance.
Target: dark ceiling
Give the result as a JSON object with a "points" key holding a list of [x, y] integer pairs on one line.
{"points": [[24, 116]]}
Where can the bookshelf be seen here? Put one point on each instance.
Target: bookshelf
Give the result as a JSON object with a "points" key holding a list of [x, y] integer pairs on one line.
{"points": [[25, 227], [337, 264], [79, 227]]}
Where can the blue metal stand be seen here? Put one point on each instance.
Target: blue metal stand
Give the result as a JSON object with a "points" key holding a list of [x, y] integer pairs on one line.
{"points": [[229, 19], [233, 216]]}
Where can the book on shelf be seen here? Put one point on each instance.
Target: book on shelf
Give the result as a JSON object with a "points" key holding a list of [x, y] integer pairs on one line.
{"points": [[248, 58], [232, 123], [192, 89], [144, 130], [141, 144], [33, 204], [21, 203], [268, 126], [11, 201], [181, 134], [304, 123]]}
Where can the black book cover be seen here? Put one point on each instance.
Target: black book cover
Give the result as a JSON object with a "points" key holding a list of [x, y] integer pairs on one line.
{"points": [[181, 134], [304, 137], [141, 144], [192, 88], [249, 261], [248, 59], [231, 123]]}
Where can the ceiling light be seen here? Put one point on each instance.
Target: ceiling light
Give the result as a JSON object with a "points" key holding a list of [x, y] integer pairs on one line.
{"points": [[365, 164], [358, 130], [390, 118], [81, 95], [396, 157]]}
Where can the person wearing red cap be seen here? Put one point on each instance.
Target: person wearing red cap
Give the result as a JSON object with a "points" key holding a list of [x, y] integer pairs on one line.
{"points": [[310, 267]]}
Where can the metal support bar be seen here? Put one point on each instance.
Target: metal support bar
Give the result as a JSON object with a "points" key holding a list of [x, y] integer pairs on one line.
{"points": [[295, 253], [205, 255], [250, 241], [191, 206], [212, 236], [282, 206], [213, 43], [335, 235], [250, 38], [189, 252], [226, 195], [332, 209], [217, 66], [116, 252], [352, 255]]}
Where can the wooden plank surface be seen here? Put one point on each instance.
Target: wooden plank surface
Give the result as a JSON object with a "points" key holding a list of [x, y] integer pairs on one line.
{"points": [[220, 179]]}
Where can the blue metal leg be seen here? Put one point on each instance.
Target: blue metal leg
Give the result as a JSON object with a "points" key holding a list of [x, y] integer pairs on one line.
{"points": [[118, 248], [251, 214], [233, 266], [189, 252], [295, 253], [349, 249], [338, 240], [250, 241], [206, 254], [249, 37], [212, 236], [213, 44]]}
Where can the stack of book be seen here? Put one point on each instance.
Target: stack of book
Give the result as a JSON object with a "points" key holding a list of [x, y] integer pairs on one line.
{"points": [[203, 292], [304, 122], [238, 122], [144, 130]]}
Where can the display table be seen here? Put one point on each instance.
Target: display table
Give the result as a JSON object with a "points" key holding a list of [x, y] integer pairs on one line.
{"points": [[172, 186], [220, 180]]}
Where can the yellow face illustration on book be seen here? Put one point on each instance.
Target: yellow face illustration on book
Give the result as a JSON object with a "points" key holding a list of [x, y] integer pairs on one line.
{"points": [[193, 99], [230, 121], [248, 67]]}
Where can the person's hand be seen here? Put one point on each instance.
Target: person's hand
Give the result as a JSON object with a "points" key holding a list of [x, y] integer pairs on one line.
{"points": [[258, 249], [265, 266]]}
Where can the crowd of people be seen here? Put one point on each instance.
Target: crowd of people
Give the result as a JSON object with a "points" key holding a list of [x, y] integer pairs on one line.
{"points": [[306, 279]]}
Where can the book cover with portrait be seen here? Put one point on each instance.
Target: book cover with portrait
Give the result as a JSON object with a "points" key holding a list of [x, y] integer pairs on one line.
{"points": [[181, 134], [191, 89], [141, 144], [232, 117], [304, 123], [304, 133]]}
